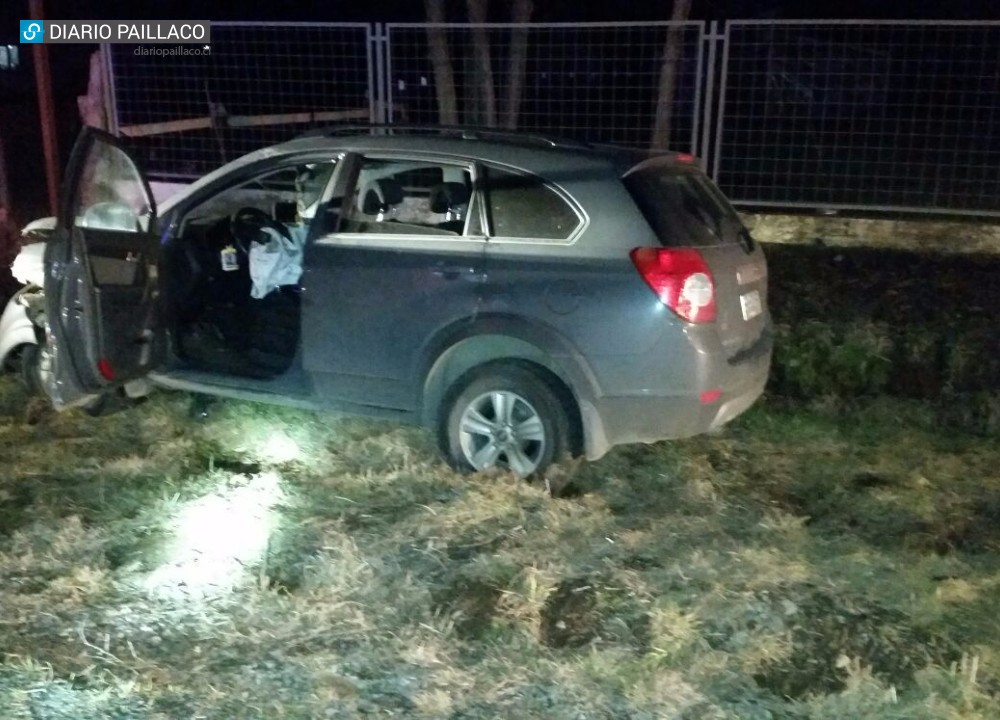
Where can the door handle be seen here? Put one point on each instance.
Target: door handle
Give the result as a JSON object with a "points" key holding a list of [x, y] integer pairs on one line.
{"points": [[453, 272]]}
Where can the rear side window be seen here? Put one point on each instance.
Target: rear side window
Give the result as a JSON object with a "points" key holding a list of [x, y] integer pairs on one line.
{"points": [[683, 207], [523, 206], [411, 197]]}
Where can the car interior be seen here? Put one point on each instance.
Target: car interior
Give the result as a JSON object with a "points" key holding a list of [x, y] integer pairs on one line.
{"points": [[411, 198], [216, 322]]}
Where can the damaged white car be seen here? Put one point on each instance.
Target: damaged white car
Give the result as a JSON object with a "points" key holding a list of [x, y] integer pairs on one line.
{"points": [[21, 327]]}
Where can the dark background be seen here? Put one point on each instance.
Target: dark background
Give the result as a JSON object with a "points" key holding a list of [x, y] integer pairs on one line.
{"points": [[18, 102]]}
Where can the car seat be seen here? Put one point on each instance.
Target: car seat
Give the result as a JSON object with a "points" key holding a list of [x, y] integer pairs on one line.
{"points": [[380, 197], [451, 199]]}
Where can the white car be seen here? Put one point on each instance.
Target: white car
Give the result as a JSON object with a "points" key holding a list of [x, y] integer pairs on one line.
{"points": [[18, 337]]}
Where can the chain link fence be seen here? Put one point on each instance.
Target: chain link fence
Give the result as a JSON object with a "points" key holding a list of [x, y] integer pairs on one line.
{"points": [[868, 115], [861, 115], [596, 82], [255, 85]]}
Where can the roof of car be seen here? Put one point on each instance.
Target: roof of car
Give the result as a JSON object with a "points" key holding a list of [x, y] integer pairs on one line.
{"points": [[531, 151], [555, 159]]}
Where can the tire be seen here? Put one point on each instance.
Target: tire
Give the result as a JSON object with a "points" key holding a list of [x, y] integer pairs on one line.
{"points": [[474, 435], [30, 367]]}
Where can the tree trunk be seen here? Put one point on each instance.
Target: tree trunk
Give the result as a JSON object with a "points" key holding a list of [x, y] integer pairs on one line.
{"points": [[516, 62], [482, 64], [668, 76], [444, 76]]}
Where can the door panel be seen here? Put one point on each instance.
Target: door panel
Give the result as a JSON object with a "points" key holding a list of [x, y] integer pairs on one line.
{"points": [[405, 261], [368, 311], [101, 282]]}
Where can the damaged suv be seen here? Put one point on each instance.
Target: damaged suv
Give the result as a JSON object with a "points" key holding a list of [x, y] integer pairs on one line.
{"points": [[525, 297]]}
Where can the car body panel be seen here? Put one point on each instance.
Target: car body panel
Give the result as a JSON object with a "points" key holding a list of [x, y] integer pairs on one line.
{"points": [[390, 320], [101, 279], [368, 309]]}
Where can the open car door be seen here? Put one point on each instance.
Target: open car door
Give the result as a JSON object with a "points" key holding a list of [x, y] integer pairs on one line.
{"points": [[101, 284]]}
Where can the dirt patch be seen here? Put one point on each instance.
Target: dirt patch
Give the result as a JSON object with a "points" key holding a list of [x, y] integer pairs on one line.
{"points": [[471, 604], [570, 615], [828, 631]]}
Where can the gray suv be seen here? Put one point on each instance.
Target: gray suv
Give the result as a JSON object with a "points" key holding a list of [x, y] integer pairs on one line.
{"points": [[525, 297]]}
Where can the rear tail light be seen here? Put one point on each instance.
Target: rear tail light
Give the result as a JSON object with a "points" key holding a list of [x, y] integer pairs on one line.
{"points": [[681, 279]]}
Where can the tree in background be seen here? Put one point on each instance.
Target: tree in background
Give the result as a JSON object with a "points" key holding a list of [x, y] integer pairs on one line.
{"points": [[517, 61], [668, 76], [482, 106], [444, 75], [480, 95]]}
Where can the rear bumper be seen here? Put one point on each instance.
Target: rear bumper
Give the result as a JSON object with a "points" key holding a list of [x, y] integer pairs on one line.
{"points": [[641, 418]]}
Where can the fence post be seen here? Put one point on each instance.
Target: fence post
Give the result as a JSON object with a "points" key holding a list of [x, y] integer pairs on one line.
{"points": [[379, 86], [711, 39], [717, 158]]}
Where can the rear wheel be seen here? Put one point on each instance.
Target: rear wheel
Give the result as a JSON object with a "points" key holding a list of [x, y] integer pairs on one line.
{"points": [[503, 416]]}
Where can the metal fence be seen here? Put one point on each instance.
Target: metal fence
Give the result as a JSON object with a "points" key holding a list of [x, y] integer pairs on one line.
{"points": [[256, 85], [861, 115], [592, 81], [867, 115]]}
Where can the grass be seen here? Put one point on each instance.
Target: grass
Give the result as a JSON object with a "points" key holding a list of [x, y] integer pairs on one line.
{"points": [[808, 562]]}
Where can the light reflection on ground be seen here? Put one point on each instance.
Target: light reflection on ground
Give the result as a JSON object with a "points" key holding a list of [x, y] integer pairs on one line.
{"points": [[217, 539]]}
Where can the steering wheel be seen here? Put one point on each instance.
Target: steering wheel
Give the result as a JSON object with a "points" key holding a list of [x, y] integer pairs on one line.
{"points": [[246, 223]]}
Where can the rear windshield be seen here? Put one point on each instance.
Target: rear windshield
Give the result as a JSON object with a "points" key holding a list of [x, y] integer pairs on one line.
{"points": [[684, 207]]}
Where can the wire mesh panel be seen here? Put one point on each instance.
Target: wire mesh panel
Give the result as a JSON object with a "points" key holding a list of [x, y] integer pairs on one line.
{"points": [[596, 82], [880, 115], [256, 85]]}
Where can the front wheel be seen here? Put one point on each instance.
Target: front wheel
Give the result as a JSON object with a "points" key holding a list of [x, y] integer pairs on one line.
{"points": [[31, 368], [503, 416]]}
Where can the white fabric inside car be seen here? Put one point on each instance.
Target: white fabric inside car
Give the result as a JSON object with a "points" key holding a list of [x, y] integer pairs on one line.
{"points": [[276, 262]]}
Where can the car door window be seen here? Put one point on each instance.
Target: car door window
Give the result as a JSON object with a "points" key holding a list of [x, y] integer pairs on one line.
{"points": [[110, 198], [286, 194], [111, 194], [523, 206], [414, 197]]}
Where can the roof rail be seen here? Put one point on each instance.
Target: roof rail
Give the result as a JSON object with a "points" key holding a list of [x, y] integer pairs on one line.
{"points": [[466, 132]]}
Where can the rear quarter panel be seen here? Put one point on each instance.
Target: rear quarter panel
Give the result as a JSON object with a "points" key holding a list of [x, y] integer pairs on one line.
{"points": [[588, 292]]}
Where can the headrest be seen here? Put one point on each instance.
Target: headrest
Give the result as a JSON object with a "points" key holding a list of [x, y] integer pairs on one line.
{"points": [[448, 197], [379, 196]]}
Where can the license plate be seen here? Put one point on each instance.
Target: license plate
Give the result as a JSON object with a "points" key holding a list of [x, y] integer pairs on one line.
{"points": [[750, 303]]}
